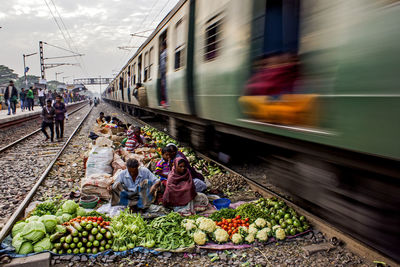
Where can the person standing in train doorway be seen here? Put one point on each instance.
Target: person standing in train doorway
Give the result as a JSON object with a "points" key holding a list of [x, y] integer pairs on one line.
{"points": [[60, 110], [163, 74]]}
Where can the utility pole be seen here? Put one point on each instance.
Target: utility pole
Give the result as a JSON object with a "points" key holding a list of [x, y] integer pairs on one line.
{"points": [[42, 74], [25, 56]]}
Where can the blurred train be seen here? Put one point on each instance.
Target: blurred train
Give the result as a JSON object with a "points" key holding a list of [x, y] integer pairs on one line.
{"points": [[338, 115]]}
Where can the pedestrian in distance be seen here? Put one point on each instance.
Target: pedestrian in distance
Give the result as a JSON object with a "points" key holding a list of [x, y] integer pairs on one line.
{"points": [[48, 114], [30, 97], [60, 111], [42, 97], [22, 98], [11, 98]]}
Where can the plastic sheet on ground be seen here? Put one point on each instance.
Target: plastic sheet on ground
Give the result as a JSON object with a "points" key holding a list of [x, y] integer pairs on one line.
{"points": [[6, 248], [230, 245]]}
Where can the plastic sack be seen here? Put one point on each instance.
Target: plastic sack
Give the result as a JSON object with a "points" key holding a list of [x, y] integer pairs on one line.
{"points": [[111, 210], [99, 161], [97, 184]]}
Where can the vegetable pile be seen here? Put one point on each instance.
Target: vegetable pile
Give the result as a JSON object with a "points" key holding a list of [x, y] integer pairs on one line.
{"points": [[82, 235]]}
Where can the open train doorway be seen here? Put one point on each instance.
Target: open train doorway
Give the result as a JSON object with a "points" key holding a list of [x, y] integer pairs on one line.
{"points": [[139, 69], [162, 84]]}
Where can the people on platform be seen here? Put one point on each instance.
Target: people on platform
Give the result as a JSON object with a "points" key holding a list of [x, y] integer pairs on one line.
{"points": [[198, 178], [11, 98], [60, 111], [22, 97], [30, 98], [41, 96], [134, 187], [48, 114]]}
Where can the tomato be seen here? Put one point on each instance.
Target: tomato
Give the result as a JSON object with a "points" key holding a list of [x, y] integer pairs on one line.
{"points": [[247, 224], [247, 219], [229, 220], [238, 217], [235, 225], [100, 218]]}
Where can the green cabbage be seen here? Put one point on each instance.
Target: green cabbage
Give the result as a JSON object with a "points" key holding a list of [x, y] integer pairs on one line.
{"points": [[34, 231], [66, 217], [59, 212], [70, 206], [80, 212], [49, 221], [17, 242], [26, 248], [44, 244], [32, 219], [18, 227]]}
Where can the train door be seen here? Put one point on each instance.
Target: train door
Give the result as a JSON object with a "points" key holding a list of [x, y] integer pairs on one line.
{"points": [[162, 84], [121, 86]]}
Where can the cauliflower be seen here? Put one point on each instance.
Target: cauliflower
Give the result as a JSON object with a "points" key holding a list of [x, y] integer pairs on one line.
{"points": [[237, 238], [252, 229], [199, 220], [280, 234], [262, 235], [189, 224], [249, 239], [207, 225], [269, 225], [199, 237], [275, 227], [221, 236], [260, 223]]}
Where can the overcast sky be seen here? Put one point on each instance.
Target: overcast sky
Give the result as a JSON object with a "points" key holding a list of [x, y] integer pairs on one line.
{"points": [[95, 28]]}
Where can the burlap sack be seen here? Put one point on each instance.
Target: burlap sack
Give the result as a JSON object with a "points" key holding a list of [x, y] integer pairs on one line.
{"points": [[118, 163], [104, 142], [97, 184]]}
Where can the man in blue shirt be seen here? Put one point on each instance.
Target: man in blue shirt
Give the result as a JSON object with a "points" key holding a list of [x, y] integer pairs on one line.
{"points": [[134, 187]]}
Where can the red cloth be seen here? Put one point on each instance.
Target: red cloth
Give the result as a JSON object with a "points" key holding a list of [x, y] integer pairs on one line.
{"points": [[273, 80], [180, 188]]}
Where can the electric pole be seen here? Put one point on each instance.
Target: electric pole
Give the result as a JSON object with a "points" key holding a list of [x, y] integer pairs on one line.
{"points": [[25, 56]]}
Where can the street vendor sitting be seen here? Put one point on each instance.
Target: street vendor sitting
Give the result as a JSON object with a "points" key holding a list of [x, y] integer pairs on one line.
{"points": [[162, 167], [134, 186], [198, 178], [180, 192], [100, 120], [135, 140]]}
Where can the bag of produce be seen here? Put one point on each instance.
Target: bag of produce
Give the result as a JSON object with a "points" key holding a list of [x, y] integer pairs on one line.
{"points": [[70, 206], [99, 161], [18, 227], [97, 184], [34, 231], [44, 244], [49, 221]]}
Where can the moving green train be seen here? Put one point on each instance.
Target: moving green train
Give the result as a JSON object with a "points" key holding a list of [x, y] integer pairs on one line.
{"points": [[316, 77]]}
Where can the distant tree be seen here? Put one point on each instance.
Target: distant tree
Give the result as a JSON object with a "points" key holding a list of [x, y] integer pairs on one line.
{"points": [[32, 79], [52, 85], [7, 74]]}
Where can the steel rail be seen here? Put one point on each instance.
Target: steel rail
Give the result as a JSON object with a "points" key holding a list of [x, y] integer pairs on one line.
{"points": [[21, 208], [32, 133]]}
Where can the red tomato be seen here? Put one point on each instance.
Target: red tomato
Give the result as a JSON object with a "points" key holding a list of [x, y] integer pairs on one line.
{"points": [[238, 217], [100, 218], [247, 219]]}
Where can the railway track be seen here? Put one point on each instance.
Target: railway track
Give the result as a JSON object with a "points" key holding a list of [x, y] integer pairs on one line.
{"points": [[17, 129], [25, 164], [329, 230]]}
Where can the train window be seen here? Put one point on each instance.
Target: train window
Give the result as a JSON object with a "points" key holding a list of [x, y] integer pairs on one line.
{"points": [[180, 45], [146, 66], [134, 74], [151, 58], [212, 41]]}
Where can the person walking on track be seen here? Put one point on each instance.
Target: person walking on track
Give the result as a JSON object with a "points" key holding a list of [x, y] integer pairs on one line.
{"points": [[30, 97], [22, 98], [48, 114], [11, 98], [60, 111]]}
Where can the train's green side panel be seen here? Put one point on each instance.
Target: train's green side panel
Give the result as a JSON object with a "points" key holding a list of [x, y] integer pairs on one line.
{"points": [[349, 55]]}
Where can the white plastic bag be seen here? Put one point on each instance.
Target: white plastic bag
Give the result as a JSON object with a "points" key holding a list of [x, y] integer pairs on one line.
{"points": [[99, 161]]}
